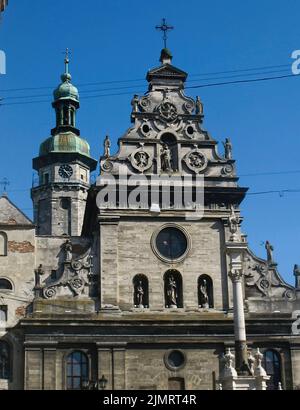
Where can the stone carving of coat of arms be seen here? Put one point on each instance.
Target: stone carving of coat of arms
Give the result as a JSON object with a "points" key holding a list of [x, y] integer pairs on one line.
{"points": [[196, 161], [167, 111]]}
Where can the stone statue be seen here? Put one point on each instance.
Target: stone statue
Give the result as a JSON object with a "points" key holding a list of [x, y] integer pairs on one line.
{"points": [[228, 148], [172, 292], [166, 158], [140, 294], [203, 296], [269, 249], [297, 276], [68, 248], [107, 145], [233, 222], [38, 273], [199, 106], [135, 103]]}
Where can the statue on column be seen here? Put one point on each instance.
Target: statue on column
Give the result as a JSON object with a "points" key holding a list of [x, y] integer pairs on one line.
{"points": [[172, 292], [107, 145], [297, 275], [233, 222], [199, 106], [38, 273], [228, 148], [135, 103], [269, 249], [166, 158], [140, 294], [203, 295], [68, 248]]}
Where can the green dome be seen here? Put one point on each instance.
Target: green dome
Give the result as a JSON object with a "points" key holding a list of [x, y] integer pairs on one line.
{"points": [[66, 90], [67, 142]]}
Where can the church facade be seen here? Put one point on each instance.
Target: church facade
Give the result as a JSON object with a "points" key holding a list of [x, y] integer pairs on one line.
{"points": [[125, 284]]}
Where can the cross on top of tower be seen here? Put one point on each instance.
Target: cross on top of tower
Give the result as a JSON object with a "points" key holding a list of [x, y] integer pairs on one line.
{"points": [[67, 60], [164, 28]]}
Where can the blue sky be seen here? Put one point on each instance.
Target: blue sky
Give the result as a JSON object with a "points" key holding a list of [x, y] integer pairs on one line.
{"points": [[116, 40]]}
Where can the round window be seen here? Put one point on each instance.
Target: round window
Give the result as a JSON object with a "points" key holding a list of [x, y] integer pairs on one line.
{"points": [[175, 359], [171, 243]]}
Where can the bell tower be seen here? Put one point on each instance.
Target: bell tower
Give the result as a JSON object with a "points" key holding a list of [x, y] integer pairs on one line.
{"points": [[64, 165]]}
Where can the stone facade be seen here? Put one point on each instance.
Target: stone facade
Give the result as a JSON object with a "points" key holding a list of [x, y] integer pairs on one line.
{"points": [[140, 294]]}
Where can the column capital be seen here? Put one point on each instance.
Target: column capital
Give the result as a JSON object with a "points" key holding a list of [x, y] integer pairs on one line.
{"points": [[236, 275]]}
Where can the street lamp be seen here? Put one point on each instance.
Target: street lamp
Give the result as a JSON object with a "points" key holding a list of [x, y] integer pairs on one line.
{"points": [[94, 385]]}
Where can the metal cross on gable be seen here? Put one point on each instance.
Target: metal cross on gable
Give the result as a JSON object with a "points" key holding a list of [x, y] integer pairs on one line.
{"points": [[164, 28], [5, 183]]}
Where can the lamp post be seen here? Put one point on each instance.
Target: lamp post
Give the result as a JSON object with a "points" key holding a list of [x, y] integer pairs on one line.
{"points": [[95, 385]]}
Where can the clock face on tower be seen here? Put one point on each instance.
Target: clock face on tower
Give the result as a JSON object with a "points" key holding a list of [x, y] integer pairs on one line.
{"points": [[65, 171]]}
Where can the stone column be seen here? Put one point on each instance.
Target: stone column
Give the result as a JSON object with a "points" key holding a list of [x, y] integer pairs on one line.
{"points": [[236, 251]]}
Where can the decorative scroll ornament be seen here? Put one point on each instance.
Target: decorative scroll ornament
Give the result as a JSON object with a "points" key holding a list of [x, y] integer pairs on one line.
{"points": [[107, 166], [141, 160], [196, 161], [228, 170], [75, 275], [167, 111]]}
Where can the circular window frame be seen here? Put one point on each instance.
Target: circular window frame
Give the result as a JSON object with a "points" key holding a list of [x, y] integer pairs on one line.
{"points": [[159, 255], [170, 367]]}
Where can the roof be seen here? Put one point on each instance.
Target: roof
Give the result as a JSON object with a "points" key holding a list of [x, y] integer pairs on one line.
{"points": [[65, 142], [11, 215]]}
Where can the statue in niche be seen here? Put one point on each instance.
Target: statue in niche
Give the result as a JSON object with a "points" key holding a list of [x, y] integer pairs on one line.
{"points": [[135, 103], [228, 148], [68, 248], [203, 294], [199, 106], [38, 273], [166, 158], [107, 145], [269, 249], [140, 294], [172, 292]]}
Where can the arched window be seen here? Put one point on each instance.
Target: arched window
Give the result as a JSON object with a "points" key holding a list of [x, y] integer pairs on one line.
{"points": [[173, 289], [3, 244], [77, 370], [141, 291], [5, 364], [272, 365], [205, 292], [5, 284]]}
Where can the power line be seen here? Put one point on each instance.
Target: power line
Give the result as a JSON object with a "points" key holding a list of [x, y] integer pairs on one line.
{"points": [[143, 79], [138, 86], [189, 87]]}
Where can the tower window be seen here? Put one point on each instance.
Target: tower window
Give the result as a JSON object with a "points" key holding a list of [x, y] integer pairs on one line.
{"points": [[46, 179]]}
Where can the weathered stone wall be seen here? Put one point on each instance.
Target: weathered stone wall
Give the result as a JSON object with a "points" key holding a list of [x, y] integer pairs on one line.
{"points": [[126, 251]]}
